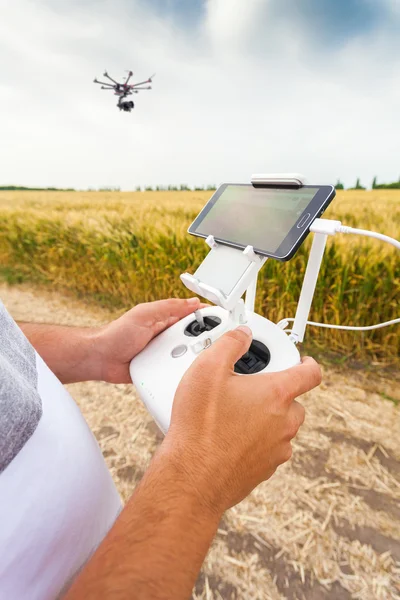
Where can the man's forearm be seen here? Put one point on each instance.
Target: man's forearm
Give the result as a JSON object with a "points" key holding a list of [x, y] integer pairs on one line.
{"points": [[157, 546], [70, 352]]}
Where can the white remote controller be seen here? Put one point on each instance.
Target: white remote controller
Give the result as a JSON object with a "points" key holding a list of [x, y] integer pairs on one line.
{"points": [[158, 369], [224, 276]]}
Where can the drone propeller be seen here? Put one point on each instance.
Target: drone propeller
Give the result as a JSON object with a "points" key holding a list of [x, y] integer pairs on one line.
{"points": [[105, 74], [109, 85], [142, 88], [149, 80], [130, 73]]}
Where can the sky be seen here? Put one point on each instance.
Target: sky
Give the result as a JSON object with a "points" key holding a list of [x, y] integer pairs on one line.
{"points": [[241, 86]]}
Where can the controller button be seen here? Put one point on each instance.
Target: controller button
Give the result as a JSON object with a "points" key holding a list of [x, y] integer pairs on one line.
{"points": [[179, 351]]}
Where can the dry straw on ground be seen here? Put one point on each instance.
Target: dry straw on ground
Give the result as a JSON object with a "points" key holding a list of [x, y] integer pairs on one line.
{"points": [[326, 526]]}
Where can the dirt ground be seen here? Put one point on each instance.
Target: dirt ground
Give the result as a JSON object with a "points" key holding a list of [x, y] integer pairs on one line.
{"points": [[326, 526]]}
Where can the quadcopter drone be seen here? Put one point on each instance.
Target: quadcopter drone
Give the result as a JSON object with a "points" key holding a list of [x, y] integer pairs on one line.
{"points": [[122, 90]]}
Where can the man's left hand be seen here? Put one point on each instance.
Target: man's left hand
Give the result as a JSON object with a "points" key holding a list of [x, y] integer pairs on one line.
{"points": [[119, 341]]}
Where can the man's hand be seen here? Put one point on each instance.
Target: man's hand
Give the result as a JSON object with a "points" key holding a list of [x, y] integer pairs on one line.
{"points": [[229, 432], [119, 341], [104, 353]]}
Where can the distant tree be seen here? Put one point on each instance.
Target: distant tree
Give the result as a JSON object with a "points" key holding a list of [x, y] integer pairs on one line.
{"points": [[393, 186], [138, 188], [148, 188], [389, 186], [211, 188], [183, 187], [198, 188], [358, 185], [172, 188], [374, 183], [339, 185]]}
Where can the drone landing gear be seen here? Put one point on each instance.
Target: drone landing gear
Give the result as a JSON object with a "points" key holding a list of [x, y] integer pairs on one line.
{"points": [[126, 105]]}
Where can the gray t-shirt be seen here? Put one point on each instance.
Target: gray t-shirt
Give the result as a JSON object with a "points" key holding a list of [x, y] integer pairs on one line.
{"points": [[20, 403]]}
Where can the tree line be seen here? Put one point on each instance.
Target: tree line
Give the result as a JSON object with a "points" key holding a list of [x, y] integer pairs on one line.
{"points": [[375, 186], [176, 188], [35, 189], [183, 187], [157, 188]]}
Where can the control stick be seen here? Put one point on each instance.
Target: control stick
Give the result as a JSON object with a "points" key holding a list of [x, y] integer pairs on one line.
{"points": [[200, 319]]}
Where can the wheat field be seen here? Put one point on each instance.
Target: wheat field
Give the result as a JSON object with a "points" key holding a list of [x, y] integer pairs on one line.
{"points": [[122, 248]]}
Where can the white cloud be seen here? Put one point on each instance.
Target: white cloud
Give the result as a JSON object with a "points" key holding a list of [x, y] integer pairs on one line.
{"points": [[232, 21], [239, 93]]}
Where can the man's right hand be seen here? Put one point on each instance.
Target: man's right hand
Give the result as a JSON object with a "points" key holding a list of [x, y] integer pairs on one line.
{"points": [[230, 432]]}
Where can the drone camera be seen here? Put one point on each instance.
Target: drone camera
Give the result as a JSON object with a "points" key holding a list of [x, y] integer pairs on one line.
{"points": [[127, 106]]}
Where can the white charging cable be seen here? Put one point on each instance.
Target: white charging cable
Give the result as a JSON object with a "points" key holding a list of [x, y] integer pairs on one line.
{"points": [[327, 227], [285, 322], [332, 227]]}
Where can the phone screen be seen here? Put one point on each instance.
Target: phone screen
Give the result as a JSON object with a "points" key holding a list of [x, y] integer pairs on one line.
{"points": [[263, 218]]}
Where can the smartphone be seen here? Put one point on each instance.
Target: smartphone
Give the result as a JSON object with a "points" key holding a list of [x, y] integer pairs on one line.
{"points": [[274, 221]]}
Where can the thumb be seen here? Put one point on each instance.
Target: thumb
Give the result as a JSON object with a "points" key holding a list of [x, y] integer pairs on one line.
{"points": [[231, 346]]}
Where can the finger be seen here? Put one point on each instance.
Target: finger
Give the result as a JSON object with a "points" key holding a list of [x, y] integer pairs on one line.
{"points": [[231, 346], [159, 326], [297, 380], [177, 308]]}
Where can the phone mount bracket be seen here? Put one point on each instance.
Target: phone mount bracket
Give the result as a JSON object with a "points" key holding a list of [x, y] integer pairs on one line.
{"points": [[278, 180], [225, 274]]}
